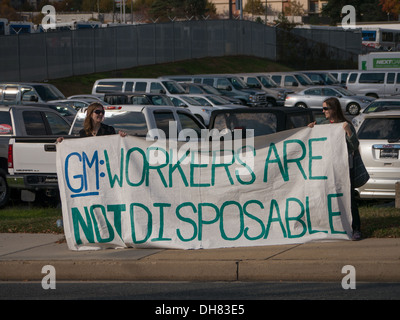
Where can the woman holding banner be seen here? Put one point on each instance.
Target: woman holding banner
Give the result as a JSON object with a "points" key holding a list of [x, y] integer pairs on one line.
{"points": [[333, 113], [93, 124]]}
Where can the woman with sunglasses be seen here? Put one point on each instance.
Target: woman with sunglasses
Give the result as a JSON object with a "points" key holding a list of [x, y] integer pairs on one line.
{"points": [[93, 124], [333, 113]]}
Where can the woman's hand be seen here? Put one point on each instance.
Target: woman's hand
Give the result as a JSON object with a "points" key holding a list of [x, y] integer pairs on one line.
{"points": [[346, 127], [60, 139], [122, 133], [312, 124]]}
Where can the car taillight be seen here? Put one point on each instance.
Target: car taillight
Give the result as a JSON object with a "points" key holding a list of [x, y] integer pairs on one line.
{"points": [[113, 108], [10, 156]]}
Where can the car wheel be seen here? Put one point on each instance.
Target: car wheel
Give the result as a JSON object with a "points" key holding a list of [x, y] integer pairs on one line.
{"points": [[301, 105], [353, 109], [4, 190]]}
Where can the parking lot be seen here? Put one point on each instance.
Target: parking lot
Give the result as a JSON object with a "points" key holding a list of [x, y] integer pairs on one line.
{"points": [[196, 97]]}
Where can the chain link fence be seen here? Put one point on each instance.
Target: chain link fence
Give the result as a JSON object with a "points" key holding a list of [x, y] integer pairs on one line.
{"points": [[40, 56]]}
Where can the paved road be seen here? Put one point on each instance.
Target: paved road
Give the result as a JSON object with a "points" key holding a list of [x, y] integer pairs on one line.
{"points": [[204, 291]]}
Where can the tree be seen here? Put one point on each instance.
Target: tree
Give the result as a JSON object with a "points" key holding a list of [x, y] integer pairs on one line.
{"points": [[390, 7], [254, 7], [163, 10], [294, 8], [7, 11], [366, 10]]}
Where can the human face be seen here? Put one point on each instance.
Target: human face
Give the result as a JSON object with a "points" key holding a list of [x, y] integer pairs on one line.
{"points": [[98, 115], [327, 111]]}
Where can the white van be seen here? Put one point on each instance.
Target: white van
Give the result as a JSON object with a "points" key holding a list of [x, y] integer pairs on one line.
{"points": [[164, 86], [295, 81], [377, 84]]}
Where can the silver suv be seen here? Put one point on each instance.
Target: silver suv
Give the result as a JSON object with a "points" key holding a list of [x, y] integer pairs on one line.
{"points": [[27, 92], [379, 137]]}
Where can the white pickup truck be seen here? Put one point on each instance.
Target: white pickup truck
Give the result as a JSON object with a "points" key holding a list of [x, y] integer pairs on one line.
{"points": [[31, 154], [27, 149]]}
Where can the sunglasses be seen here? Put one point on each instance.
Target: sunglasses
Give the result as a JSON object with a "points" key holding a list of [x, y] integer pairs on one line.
{"points": [[326, 108], [98, 111]]}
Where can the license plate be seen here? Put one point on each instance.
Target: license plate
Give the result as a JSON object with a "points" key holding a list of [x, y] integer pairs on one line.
{"points": [[389, 153]]}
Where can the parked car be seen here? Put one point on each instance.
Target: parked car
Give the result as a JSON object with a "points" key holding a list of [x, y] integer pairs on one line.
{"points": [[86, 97], [340, 75], [277, 94], [201, 88], [315, 96], [294, 81], [379, 137], [262, 121], [28, 92], [64, 110], [73, 103], [126, 98], [377, 84], [27, 150], [213, 101], [148, 85], [231, 85], [202, 112], [322, 78], [378, 105]]}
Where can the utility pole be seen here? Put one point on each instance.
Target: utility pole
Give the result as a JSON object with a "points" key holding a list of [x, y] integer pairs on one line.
{"points": [[230, 9]]}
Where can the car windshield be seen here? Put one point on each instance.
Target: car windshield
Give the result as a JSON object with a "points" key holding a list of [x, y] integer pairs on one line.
{"points": [[210, 89], [191, 101], [267, 82], [237, 83], [382, 106], [48, 92], [329, 79], [64, 109], [217, 100], [303, 80], [173, 87], [380, 129], [160, 100], [262, 123]]}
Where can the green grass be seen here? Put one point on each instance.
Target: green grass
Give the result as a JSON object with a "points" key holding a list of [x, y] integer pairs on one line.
{"points": [[25, 219], [380, 221], [235, 64], [377, 221]]}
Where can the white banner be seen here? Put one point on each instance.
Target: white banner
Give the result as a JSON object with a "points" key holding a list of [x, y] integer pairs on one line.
{"points": [[288, 187]]}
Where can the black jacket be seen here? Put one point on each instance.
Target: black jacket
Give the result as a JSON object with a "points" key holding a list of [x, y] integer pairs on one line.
{"points": [[103, 131]]}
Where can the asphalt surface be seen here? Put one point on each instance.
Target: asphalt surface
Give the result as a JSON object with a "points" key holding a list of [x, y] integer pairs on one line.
{"points": [[23, 256]]}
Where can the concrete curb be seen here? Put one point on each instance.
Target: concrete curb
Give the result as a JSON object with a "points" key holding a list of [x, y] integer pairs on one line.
{"points": [[374, 260], [386, 271]]}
